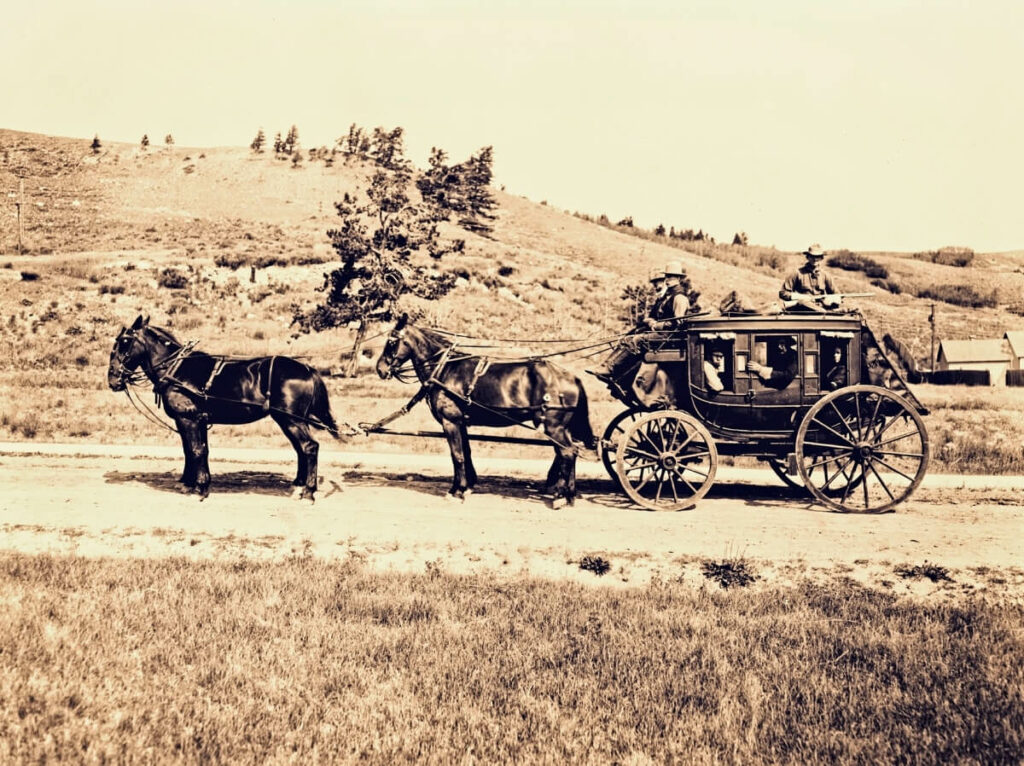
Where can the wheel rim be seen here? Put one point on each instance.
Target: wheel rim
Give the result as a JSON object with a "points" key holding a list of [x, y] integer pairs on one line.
{"points": [[779, 467], [833, 487], [666, 460], [609, 443], [863, 449]]}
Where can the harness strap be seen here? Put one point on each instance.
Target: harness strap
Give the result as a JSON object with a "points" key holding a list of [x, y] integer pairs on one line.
{"points": [[481, 368], [217, 367], [266, 394]]}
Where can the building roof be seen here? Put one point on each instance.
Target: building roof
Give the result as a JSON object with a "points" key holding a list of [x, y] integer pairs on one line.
{"points": [[960, 351], [1016, 339]]}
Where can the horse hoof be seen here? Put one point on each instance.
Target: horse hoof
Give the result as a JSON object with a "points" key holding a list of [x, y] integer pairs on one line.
{"points": [[559, 502]]}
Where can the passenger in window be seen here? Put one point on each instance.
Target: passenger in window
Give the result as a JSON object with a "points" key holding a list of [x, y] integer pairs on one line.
{"points": [[783, 364], [714, 369], [836, 376]]}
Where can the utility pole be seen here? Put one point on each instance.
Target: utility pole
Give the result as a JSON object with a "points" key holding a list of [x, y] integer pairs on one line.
{"points": [[18, 199], [931, 321]]}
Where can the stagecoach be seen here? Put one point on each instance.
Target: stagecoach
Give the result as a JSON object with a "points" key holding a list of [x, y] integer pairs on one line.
{"points": [[837, 419]]}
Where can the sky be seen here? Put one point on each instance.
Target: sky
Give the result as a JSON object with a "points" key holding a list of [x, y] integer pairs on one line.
{"points": [[863, 124]]}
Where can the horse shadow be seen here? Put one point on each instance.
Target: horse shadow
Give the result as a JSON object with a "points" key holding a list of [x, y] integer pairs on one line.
{"points": [[230, 482]]}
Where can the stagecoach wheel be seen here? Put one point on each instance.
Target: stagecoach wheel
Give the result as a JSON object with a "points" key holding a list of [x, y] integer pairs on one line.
{"points": [[609, 444], [832, 486], [867, 440], [666, 461]]}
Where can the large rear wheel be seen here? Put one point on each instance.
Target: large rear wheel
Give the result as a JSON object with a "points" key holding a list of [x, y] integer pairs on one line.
{"points": [[862, 449], [666, 461]]}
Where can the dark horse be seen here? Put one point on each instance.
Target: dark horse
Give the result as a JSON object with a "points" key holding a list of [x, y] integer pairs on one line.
{"points": [[464, 390], [199, 389]]}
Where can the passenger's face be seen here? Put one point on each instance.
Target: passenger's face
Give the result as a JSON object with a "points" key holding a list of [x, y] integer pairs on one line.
{"points": [[717, 357], [838, 355]]}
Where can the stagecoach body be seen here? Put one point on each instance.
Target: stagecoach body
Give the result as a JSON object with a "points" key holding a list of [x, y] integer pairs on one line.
{"points": [[855, 440]]}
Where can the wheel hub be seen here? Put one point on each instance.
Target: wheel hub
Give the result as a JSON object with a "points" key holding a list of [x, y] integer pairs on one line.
{"points": [[862, 452], [668, 460]]}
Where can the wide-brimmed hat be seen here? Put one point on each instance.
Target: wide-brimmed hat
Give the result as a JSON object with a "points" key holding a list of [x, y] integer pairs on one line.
{"points": [[675, 269], [814, 251], [657, 275]]}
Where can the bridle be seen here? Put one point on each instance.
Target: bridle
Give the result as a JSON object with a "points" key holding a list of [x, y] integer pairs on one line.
{"points": [[146, 369]]}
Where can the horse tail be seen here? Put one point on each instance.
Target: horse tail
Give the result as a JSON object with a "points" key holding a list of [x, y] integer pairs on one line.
{"points": [[320, 408], [579, 423]]}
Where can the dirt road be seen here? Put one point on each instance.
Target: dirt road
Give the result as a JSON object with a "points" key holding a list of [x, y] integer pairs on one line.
{"points": [[390, 512]]}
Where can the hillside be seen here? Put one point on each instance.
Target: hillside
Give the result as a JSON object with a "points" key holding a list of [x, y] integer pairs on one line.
{"points": [[171, 205]]}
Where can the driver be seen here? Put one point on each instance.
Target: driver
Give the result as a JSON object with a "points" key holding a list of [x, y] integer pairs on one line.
{"points": [[809, 288]]}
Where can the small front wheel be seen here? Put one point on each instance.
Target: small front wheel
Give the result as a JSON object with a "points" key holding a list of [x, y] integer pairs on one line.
{"points": [[609, 444], [666, 461]]}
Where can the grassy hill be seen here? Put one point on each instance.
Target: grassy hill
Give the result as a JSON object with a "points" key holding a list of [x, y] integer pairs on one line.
{"points": [[100, 229]]}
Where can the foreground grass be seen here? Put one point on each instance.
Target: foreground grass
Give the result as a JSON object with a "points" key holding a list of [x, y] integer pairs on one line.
{"points": [[305, 661]]}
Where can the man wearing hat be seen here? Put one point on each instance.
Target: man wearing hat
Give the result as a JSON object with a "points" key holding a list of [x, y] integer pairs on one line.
{"points": [[668, 310], [810, 287], [678, 301]]}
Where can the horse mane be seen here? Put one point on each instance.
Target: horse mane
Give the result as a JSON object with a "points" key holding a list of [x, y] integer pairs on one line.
{"points": [[163, 334]]}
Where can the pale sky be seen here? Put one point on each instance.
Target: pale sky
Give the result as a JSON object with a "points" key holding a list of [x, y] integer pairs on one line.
{"points": [[866, 124]]}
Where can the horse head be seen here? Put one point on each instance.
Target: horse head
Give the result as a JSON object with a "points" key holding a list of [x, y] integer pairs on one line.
{"points": [[127, 354], [396, 350]]}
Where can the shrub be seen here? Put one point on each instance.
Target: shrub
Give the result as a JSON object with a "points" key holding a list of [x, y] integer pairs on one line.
{"points": [[112, 289], [948, 256], [959, 295], [596, 564], [888, 284], [849, 261], [230, 260], [172, 279]]}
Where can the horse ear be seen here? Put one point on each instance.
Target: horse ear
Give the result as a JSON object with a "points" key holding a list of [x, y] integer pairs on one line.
{"points": [[145, 321], [402, 322], [137, 323]]}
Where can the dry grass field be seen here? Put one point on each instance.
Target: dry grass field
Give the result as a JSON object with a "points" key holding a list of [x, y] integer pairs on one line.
{"points": [[308, 658], [305, 661]]}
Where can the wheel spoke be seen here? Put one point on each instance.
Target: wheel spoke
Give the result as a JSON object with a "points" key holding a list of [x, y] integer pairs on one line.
{"points": [[892, 439], [842, 419], [894, 470], [899, 454], [829, 445], [827, 427], [874, 415], [837, 474], [860, 422], [849, 486], [672, 484], [864, 483], [881, 481], [641, 466], [644, 453], [691, 469]]}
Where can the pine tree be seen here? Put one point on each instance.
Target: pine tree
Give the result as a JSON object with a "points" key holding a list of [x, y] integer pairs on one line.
{"points": [[258, 142], [144, 143], [291, 141], [95, 145], [169, 140], [377, 241], [278, 144]]}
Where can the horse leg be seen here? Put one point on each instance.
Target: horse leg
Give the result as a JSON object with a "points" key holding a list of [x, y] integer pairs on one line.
{"points": [[468, 452], [194, 435], [453, 431], [188, 475], [306, 449], [564, 467], [302, 471]]}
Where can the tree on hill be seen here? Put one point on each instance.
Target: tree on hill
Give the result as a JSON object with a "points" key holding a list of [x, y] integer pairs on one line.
{"points": [[387, 149], [378, 241], [291, 141], [144, 143], [355, 144], [462, 189], [740, 238], [96, 145], [169, 140], [278, 143], [258, 142]]}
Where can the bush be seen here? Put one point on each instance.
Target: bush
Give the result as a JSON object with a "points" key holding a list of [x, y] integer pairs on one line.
{"points": [[230, 260], [888, 284], [172, 279], [959, 295], [849, 261], [948, 256]]}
